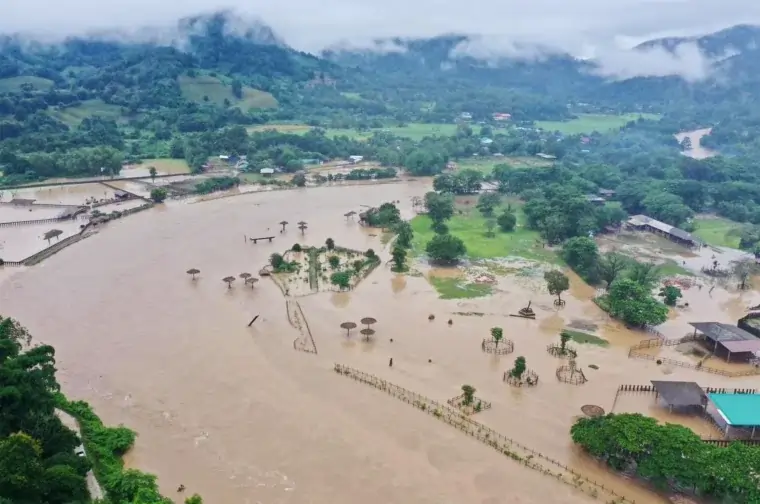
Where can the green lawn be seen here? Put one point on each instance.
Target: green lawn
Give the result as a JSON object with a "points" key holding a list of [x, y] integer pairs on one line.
{"points": [[588, 123], [72, 116], [718, 231], [13, 84], [456, 288], [583, 338], [168, 166], [414, 131], [470, 227], [486, 164], [198, 88]]}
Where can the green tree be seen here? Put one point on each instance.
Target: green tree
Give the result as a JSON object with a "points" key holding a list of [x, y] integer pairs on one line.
{"points": [[519, 368], [445, 248], [341, 279], [582, 254], [632, 303], [487, 203], [237, 89], [490, 226], [404, 233], [497, 333], [277, 261], [439, 207], [742, 270], [330, 244], [645, 274], [194, 499], [153, 173], [21, 469], [564, 337], [670, 294], [610, 266], [399, 259], [469, 394], [334, 261], [507, 221], [299, 180], [557, 283], [358, 265], [158, 195]]}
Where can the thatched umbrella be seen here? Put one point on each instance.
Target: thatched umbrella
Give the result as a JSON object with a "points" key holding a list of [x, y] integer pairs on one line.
{"points": [[348, 326], [367, 333], [251, 281], [283, 224], [592, 410], [228, 280], [368, 321], [350, 214], [302, 226], [245, 276], [53, 233], [193, 272]]}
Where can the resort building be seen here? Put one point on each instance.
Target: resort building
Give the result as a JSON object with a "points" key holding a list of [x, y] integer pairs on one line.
{"points": [[727, 341], [644, 223]]}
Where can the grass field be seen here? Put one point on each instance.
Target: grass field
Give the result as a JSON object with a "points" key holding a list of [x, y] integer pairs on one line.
{"points": [[414, 131], [588, 123], [485, 164], [75, 115], [718, 231], [168, 166], [197, 88], [470, 227], [13, 84], [583, 338], [455, 288]]}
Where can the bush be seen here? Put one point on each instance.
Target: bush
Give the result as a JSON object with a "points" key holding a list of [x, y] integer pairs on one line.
{"points": [[158, 195], [370, 254], [445, 248], [507, 221], [296, 248]]}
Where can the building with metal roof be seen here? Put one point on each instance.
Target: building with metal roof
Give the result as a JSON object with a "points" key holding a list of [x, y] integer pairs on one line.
{"points": [[644, 223], [737, 413], [728, 341]]}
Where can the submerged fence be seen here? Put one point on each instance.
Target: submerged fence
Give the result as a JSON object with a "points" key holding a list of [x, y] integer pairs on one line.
{"points": [[509, 447], [297, 319]]}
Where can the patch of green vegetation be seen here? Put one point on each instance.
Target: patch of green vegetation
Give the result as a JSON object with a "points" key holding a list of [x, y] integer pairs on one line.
{"points": [[718, 231], [588, 123], [470, 227], [485, 165], [207, 89], [459, 288], [15, 84], [671, 268], [583, 338], [167, 166], [73, 116], [413, 131]]}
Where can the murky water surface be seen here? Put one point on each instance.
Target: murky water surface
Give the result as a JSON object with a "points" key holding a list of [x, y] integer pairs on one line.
{"points": [[236, 414], [696, 151]]}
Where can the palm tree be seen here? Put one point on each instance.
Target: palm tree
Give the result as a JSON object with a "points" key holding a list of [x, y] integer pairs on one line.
{"points": [[193, 272], [228, 280], [283, 224]]}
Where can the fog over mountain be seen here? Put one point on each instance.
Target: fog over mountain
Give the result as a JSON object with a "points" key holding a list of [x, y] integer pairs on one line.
{"points": [[500, 28]]}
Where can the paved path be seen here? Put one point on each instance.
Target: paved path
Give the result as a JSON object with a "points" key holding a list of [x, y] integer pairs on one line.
{"points": [[96, 492]]}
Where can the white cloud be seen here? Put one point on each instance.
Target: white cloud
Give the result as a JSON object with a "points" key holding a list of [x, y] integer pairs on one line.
{"points": [[578, 27]]}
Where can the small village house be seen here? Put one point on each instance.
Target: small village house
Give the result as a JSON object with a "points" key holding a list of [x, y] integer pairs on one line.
{"points": [[644, 223]]}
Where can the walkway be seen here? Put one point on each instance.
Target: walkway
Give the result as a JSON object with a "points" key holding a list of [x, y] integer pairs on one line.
{"points": [[96, 492]]}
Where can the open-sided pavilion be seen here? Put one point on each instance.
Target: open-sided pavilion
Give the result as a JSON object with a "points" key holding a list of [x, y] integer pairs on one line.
{"points": [[681, 396], [727, 340]]}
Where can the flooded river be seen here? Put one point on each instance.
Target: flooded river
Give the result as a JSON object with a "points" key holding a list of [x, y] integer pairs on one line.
{"points": [[696, 151], [237, 415]]}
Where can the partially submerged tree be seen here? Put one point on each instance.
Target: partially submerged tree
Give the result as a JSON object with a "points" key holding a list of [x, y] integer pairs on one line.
{"points": [[564, 337], [330, 244], [342, 279], [632, 303], [404, 233], [743, 269], [252, 281], [557, 283], [398, 255], [519, 367], [228, 280], [610, 266], [497, 333], [158, 195], [469, 394], [670, 294], [152, 171]]}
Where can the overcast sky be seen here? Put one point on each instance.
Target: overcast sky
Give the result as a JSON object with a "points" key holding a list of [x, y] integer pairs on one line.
{"points": [[578, 26]]}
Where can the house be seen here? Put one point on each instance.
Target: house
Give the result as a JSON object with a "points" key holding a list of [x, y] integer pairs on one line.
{"points": [[606, 193], [644, 223], [485, 141], [355, 159], [223, 157], [596, 200], [500, 116], [267, 171], [727, 341], [466, 116], [545, 156], [121, 195]]}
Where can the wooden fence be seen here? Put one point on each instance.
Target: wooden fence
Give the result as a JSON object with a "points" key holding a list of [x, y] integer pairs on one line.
{"points": [[727, 442], [635, 353], [504, 445], [297, 319], [503, 347], [458, 401]]}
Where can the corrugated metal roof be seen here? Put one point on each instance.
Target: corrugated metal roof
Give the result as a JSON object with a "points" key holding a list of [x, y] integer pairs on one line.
{"points": [[643, 220]]}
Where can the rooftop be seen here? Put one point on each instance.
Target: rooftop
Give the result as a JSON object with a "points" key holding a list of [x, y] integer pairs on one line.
{"points": [[738, 409], [680, 393], [643, 220], [732, 338]]}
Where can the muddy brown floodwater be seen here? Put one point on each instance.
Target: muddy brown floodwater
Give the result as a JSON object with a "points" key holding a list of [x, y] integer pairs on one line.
{"points": [[696, 151], [237, 415]]}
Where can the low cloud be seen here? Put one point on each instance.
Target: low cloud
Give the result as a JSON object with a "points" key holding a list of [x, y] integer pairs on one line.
{"points": [[686, 61], [516, 27]]}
